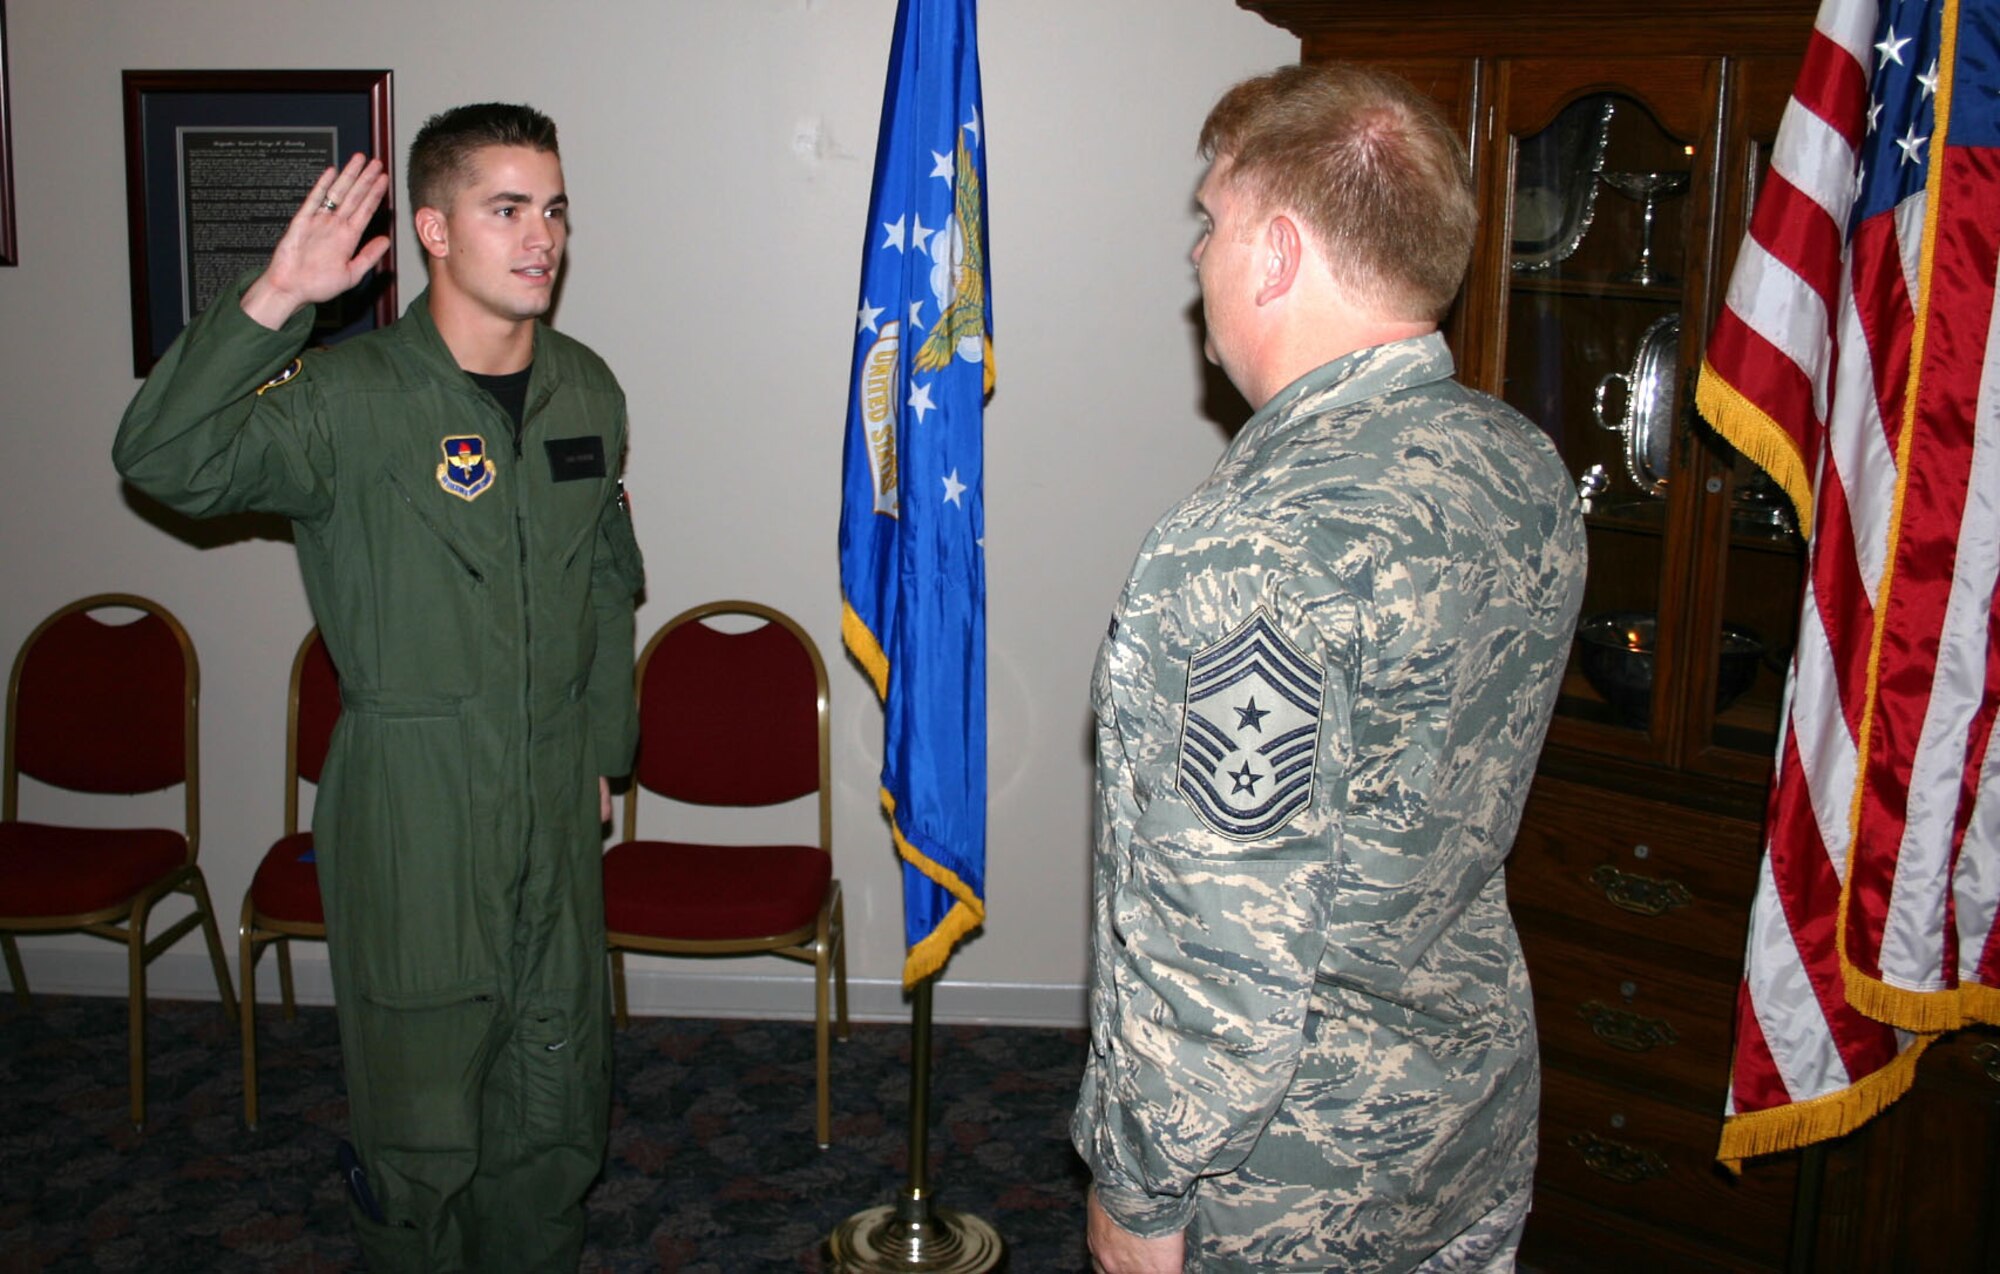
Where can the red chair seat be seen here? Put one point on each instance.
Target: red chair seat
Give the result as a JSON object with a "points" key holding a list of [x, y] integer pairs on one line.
{"points": [[67, 871], [706, 893], [285, 888]]}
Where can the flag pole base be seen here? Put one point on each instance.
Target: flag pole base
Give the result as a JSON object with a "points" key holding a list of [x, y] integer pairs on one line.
{"points": [[912, 1235]]}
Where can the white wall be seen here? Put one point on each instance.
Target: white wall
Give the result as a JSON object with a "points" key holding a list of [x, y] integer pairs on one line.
{"points": [[718, 153]]}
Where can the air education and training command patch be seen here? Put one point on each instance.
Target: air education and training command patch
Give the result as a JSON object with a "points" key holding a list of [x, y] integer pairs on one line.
{"points": [[1251, 732], [467, 470]]}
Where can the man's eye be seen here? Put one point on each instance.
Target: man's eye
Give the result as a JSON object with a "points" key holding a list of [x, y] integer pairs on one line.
{"points": [[504, 210], [557, 214]]}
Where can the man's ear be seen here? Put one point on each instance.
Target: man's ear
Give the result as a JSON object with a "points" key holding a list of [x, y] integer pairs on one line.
{"points": [[1283, 249], [432, 231]]}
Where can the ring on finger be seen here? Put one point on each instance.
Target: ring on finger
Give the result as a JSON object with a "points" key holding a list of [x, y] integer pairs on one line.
{"points": [[329, 203]]}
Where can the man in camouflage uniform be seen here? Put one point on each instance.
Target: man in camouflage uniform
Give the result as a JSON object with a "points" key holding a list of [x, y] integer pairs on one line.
{"points": [[1318, 712]]}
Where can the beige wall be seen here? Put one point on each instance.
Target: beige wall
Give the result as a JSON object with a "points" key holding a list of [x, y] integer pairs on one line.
{"points": [[718, 153]]}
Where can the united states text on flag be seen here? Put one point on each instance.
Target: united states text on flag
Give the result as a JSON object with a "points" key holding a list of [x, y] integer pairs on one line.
{"points": [[912, 556], [1855, 360]]}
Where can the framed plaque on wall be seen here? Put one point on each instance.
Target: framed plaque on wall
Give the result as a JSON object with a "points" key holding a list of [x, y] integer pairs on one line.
{"points": [[216, 163], [8, 252]]}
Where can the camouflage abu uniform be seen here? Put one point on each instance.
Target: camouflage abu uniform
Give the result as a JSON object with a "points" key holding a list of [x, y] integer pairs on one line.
{"points": [[1318, 711]]}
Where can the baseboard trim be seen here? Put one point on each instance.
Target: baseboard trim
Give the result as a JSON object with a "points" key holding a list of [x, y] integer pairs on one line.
{"points": [[655, 987]]}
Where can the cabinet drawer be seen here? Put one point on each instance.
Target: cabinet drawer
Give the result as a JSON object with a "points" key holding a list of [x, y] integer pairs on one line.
{"points": [[1639, 867], [1666, 1028], [1566, 1236], [1655, 1163]]}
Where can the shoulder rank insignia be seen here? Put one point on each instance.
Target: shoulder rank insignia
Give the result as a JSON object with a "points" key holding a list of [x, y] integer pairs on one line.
{"points": [[292, 369], [1250, 732], [467, 470]]}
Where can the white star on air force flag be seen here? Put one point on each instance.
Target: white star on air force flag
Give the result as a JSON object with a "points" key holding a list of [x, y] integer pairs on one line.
{"points": [[1250, 732]]}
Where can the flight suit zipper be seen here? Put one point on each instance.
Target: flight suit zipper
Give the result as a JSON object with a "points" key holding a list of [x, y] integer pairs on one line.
{"points": [[527, 626]]}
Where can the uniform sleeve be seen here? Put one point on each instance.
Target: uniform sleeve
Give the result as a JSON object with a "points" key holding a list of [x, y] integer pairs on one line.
{"points": [[219, 426], [1212, 917], [617, 573]]}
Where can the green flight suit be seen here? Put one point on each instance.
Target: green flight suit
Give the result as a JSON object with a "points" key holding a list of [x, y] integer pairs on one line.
{"points": [[476, 591]]}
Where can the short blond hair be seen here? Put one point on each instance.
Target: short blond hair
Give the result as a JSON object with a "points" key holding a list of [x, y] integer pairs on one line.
{"points": [[1372, 168]]}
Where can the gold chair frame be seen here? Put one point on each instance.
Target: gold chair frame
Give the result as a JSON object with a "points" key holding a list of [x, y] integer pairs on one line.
{"points": [[133, 912], [255, 930], [821, 943]]}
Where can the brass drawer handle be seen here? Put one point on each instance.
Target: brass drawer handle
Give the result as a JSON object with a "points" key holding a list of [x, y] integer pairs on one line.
{"points": [[1625, 1030], [1640, 894], [1988, 1057], [1628, 1165]]}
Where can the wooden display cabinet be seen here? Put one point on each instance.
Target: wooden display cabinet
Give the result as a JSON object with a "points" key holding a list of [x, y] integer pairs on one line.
{"points": [[1632, 877]]}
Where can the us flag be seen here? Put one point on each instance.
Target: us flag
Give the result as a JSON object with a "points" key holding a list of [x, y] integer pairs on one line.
{"points": [[1852, 362]]}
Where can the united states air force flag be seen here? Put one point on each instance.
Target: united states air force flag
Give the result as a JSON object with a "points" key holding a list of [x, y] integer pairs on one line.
{"points": [[912, 520]]}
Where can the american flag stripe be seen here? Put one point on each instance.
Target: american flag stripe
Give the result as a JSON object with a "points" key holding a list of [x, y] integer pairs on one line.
{"points": [[1933, 630], [1853, 360]]}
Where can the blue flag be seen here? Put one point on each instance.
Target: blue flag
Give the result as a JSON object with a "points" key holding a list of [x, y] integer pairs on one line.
{"points": [[912, 519]]}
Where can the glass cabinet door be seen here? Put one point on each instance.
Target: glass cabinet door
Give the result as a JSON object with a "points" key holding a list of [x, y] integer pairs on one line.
{"points": [[1621, 227], [1607, 230], [1744, 622]]}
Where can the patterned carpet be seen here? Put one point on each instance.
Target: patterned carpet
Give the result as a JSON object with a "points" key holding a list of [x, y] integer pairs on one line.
{"points": [[712, 1166]]}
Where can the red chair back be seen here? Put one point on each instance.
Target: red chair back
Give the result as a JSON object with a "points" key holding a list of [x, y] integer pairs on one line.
{"points": [[103, 707], [729, 718], [315, 707]]}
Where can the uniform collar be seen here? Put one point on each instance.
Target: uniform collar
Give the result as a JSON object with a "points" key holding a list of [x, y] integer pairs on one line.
{"points": [[420, 330], [1375, 372]]}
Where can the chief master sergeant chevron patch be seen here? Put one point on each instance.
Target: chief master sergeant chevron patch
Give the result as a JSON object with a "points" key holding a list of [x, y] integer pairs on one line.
{"points": [[1250, 731]]}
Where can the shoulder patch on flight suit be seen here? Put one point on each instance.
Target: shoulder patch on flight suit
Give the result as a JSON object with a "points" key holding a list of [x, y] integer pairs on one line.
{"points": [[292, 369], [1250, 731], [467, 472]]}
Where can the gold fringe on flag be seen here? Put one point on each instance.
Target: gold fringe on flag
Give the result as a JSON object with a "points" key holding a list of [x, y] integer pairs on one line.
{"points": [[969, 911], [1979, 1003], [866, 650], [1925, 1012], [1753, 432], [1768, 1132], [966, 914]]}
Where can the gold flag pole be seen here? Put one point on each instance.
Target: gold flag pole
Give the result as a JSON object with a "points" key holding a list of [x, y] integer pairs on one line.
{"points": [[913, 1233]]}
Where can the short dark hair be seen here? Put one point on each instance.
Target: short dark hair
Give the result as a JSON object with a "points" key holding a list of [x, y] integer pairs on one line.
{"points": [[441, 157], [1372, 168]]}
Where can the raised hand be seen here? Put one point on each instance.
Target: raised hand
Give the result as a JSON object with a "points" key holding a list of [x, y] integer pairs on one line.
{"points": [[321, 254]]}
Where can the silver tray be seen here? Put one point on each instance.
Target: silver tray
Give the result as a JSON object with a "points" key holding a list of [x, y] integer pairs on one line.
{"points": [[1555, 190], [1647, 422]]}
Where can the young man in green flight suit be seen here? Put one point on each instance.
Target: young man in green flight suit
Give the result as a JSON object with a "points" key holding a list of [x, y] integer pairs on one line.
{"points": [[453, 485]]}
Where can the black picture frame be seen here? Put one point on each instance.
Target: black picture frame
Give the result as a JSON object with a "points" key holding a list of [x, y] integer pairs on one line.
{"points": [[9, 253], [216, 162]]}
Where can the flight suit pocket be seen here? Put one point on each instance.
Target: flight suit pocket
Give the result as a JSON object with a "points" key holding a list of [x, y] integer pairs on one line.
{"points": [[621, 546], [426, 1053], [559, 1078], [465, 558], [414, 859]]}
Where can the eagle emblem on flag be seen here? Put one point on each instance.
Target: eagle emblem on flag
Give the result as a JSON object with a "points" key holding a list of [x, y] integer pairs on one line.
{"points": [[467, 471], [958, 274], [1250, 731]]}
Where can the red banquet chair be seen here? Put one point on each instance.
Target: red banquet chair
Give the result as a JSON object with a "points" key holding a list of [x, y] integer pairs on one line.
{"points": [[735, 719], [107, 709], [283, 900]]}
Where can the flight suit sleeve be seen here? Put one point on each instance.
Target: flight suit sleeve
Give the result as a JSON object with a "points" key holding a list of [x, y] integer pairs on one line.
{"points": [[617, 573], [1233, 721], [227, 421]]}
